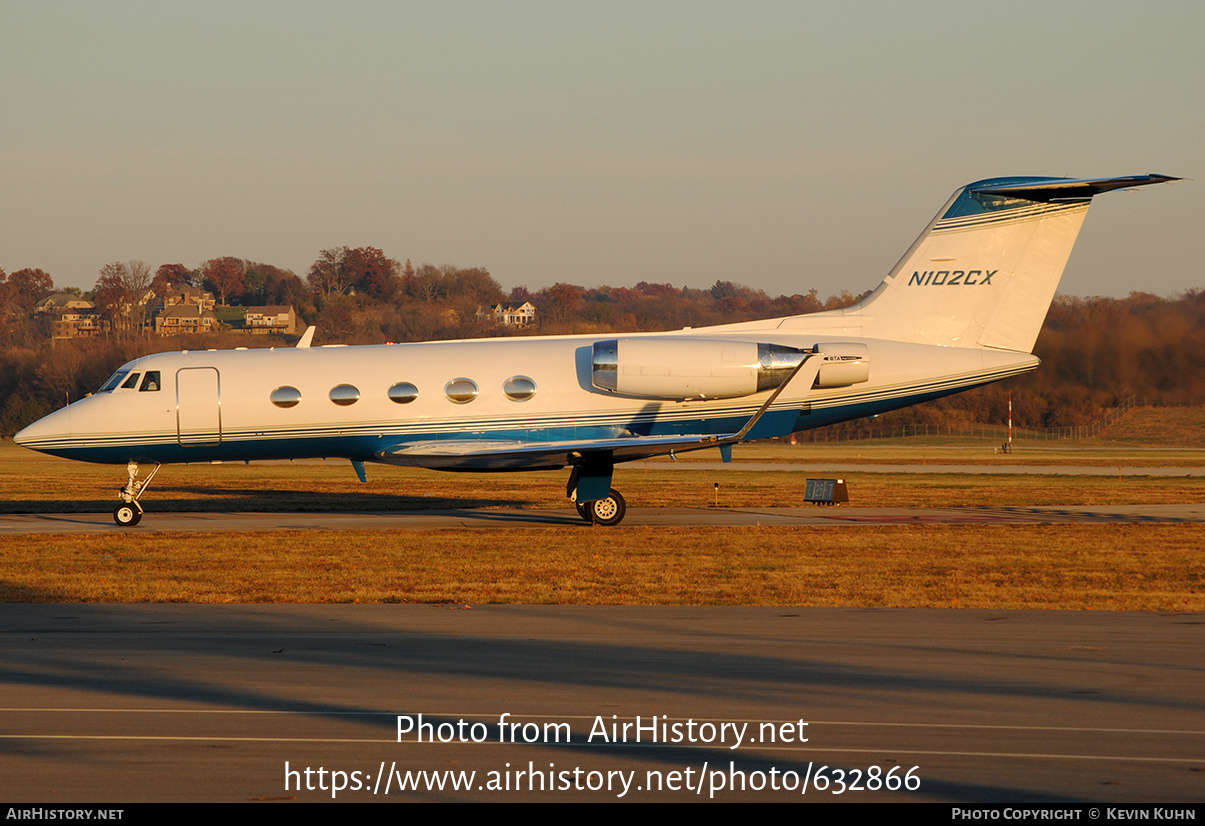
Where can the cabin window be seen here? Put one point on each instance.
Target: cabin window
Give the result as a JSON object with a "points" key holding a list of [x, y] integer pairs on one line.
{"points": [[151, 382], [461, 391], [285, 396], [519, 388], [113, 382], [345, 394], [131, 382], [403, 393]]}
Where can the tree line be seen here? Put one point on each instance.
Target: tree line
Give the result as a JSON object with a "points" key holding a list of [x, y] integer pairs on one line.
{"points": [[1094, 350]]}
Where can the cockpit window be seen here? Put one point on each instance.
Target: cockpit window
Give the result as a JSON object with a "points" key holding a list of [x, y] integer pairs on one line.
{"points": [[113, 382], [131, 382], [151, 382]]}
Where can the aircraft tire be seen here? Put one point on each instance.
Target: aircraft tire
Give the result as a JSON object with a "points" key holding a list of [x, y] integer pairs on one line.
{"points": [[127, 515], [609, 511], [583, 511]]}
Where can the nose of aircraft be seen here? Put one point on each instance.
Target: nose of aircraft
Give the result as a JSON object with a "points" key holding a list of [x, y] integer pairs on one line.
{"points": [[46, 431]]}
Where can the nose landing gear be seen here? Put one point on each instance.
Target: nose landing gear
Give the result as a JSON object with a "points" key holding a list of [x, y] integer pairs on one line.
{"points": [[129, 512], [128, 515]]}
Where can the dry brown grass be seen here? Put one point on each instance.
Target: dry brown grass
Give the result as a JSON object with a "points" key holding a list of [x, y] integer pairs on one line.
{"points": [[898, 490], [1154, 567], [1129, 567], [935, 451], [1176, 427]]}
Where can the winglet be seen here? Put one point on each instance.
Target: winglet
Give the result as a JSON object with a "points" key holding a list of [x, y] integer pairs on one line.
{"points": [[306, 338]]}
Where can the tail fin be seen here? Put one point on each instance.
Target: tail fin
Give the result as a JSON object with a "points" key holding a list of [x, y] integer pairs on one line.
{"points": [[984, 272]]}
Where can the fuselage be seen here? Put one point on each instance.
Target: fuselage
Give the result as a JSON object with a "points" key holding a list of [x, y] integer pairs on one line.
{"points": [[363, 402]]}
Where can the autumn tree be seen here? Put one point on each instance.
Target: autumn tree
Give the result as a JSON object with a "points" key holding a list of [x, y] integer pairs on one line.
{"points": [[16, 326], [120, 291], [59, 377], [841, 300], [225, 276], [476, 286], [730, 298], [342, 270], [270, 285], [645, 288], [22, 290], [561, 302], [370, 271], [167, 276], [336, 320]]}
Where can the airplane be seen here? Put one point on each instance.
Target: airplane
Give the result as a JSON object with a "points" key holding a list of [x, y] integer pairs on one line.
{"points": [[960, 309]]}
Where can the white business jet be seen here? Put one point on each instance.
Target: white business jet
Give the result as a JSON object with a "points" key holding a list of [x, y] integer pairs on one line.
{"points": [[962, 308]]}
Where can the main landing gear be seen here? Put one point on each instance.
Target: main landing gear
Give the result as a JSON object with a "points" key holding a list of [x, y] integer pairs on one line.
{"points": [[609, 511], [129, 512], [590, 489]]}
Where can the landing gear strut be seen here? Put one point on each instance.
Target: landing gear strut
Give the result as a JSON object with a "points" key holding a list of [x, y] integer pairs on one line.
{"points": [[129, 512]]}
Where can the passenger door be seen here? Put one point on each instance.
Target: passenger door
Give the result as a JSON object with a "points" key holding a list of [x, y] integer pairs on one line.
{"points": [[198, 406]]}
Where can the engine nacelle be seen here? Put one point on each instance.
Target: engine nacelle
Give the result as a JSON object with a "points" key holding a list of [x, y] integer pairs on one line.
{"points": [[690, 368], [845, 363]]}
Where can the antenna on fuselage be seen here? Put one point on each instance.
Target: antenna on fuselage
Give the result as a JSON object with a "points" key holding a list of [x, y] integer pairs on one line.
{"points": [[306, 338]]}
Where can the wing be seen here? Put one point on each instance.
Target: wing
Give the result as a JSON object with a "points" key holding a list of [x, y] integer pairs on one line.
{"points": [[517, 455], [498, 454]]}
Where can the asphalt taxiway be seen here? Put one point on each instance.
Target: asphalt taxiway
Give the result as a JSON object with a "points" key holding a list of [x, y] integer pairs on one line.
{"points": [[125, 703], [840, 516]]}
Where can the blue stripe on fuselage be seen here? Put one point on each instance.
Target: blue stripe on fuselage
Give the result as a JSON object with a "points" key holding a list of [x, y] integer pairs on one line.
{"points": [[367, 448]]}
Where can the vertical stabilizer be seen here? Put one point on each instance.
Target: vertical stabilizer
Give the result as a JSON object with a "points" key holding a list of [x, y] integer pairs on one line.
{"points": [[984, 272]]}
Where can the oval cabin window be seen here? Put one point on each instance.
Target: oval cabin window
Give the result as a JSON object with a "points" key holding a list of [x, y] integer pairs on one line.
{"points": [[345, 394], [286, 397], [519, 388], [403, 393], [461, 391]]}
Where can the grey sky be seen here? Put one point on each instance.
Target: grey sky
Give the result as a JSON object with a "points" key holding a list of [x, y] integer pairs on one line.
{"points": [[781, 145]]}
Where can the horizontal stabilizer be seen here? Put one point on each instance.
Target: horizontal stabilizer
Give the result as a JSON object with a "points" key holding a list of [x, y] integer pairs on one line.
{"points": [[1071, 189]]}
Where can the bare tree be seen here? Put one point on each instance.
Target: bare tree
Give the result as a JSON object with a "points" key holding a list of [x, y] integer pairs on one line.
{"points": [[428, 283], [328, 274], [138, 279], [114, 295]]}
